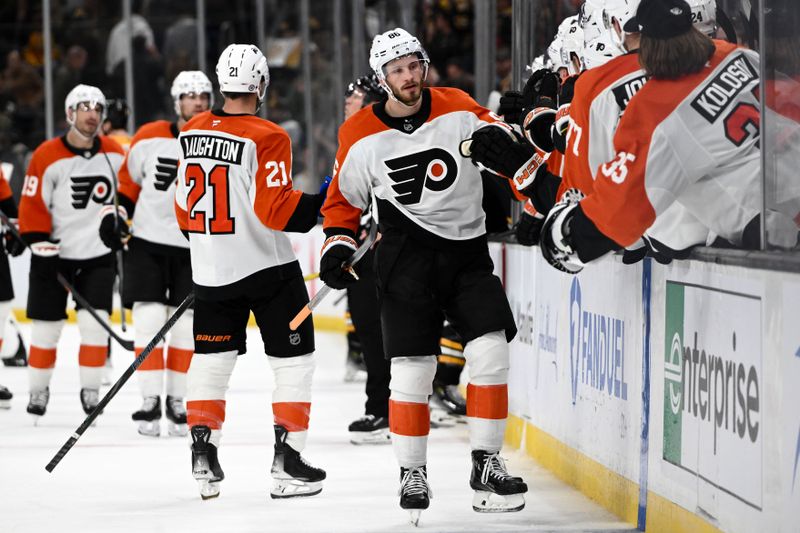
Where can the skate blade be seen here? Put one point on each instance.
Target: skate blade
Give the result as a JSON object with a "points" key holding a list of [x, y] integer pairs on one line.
{"points": [[490, 502], [442, 421], [5, 404], [293, 488], [414, 516], [36, 419], [208, 489], [380, 436], [149, 429], [177, 430]]}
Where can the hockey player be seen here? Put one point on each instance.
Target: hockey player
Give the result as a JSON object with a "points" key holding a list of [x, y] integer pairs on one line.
{"points": [[234, 200], [432, 261], [69, 181], [116, 122], [674, 145], [158, 271]]}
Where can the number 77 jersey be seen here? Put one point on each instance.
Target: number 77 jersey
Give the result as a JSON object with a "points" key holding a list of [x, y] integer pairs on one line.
{"points": [[234, 199]]}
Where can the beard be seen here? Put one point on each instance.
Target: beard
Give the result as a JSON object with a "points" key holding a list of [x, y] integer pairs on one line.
{"points": [[410, 95]]}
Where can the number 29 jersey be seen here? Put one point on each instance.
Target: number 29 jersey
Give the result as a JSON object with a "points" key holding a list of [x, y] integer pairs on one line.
{"points": [[234, 197]]}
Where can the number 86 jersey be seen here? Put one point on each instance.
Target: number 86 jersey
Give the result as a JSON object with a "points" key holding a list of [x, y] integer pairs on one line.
{"points": [[234, 198]]}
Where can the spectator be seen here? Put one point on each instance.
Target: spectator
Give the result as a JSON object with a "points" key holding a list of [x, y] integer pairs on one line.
{"points": [[115, 52], [148, 81]]}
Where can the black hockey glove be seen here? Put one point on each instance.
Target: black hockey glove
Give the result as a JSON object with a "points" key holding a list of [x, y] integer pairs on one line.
{"points": [[114, 231], [556, 240], [514, 104], [13, 244], [499, 151], [567, 91], [529, 228], [336, 250]]}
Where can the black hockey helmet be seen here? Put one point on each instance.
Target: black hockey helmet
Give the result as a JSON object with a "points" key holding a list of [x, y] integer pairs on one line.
{"points": [[118, 113]]}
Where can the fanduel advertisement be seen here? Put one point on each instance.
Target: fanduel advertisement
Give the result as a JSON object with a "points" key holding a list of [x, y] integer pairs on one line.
{"points": [[713, 421], [596, 347]]}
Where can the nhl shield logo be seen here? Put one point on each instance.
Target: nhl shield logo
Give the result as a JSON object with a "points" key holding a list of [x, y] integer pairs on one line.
{"points": [[294, 339]]}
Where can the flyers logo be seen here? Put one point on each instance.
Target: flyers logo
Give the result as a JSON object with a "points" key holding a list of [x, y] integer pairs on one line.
{"points": [[85, 188], [434, 169], [166, 173]]}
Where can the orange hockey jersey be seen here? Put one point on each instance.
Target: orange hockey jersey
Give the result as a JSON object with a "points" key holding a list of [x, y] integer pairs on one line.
{"points": [[234, 198], [64, 191]]}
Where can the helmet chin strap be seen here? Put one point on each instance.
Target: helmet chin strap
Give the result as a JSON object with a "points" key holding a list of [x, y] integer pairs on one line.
{"points": [[390, 92], [79, 133]]}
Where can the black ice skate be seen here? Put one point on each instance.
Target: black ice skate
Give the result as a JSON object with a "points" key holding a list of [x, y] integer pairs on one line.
{"points": [[5, 398], [293, 476], [37, 406], [449, 399], [370, 429], [176, 417], [415, 492], [205, 466], [149, 417], [89, 400], [20, 357], [496, 491]]}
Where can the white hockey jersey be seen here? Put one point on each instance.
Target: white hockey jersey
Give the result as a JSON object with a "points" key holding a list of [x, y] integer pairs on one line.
{"points": [[147, 178], [414, 169], [64, 191], [234, 197]]}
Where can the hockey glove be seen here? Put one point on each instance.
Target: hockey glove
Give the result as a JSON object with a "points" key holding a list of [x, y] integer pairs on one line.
{"points": [[529, 226], [12, 243], [567, 91], [555, 242], [497, 150], [114, 231], [560, 128], [514, 105], [335, 251], [537, 127]]}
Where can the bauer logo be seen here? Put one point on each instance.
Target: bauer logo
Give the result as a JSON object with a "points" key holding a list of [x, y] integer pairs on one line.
{"points": [[434, 169], [85, 188], [712, 388], [596, 348]]}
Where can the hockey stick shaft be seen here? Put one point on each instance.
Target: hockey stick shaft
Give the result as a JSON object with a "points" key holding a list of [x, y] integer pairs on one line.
{"points": [[307, 309], [125, 343], [73, 439], [117, 222]]}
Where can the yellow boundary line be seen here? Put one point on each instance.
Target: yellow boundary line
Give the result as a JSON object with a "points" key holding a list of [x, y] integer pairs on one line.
{"points": [[608, 488], [321, 322]]}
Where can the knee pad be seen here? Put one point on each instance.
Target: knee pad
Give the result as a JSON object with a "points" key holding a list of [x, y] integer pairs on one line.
{"points": [[412, 378], [182, 334], [45, 333], [209, 375], [293, 377], [148, 317], [488, 360], [92, 333]]}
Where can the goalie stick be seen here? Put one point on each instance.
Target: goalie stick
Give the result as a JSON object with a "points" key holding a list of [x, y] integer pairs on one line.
{"points": [[120, 382], [125, 343], [306, 311]]}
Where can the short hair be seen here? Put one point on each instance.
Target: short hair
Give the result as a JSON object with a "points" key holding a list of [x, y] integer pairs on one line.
{"points": [[673, 58], [235, 96]]}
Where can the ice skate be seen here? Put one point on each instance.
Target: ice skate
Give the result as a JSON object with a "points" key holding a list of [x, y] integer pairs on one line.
{"points": [[293, 476], [450, 399], [89, 400], [370, 429], [20, 357], [415, 492], [149, 417], [355, 369], [37, 406], [496, 491], [205, 466], [176, 417], [5, 398], [440, 418]]}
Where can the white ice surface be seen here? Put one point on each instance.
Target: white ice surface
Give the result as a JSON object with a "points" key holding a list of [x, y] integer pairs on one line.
{"points": [[114, 480]]}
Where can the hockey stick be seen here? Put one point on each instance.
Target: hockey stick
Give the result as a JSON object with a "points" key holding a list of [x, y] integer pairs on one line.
{"points": [[118, 253], [125, 343], [119, 384], [307, 309]]}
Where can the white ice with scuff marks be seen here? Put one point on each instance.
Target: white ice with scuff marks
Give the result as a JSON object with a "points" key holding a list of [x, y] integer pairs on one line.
{"points": [[115, 480]]}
